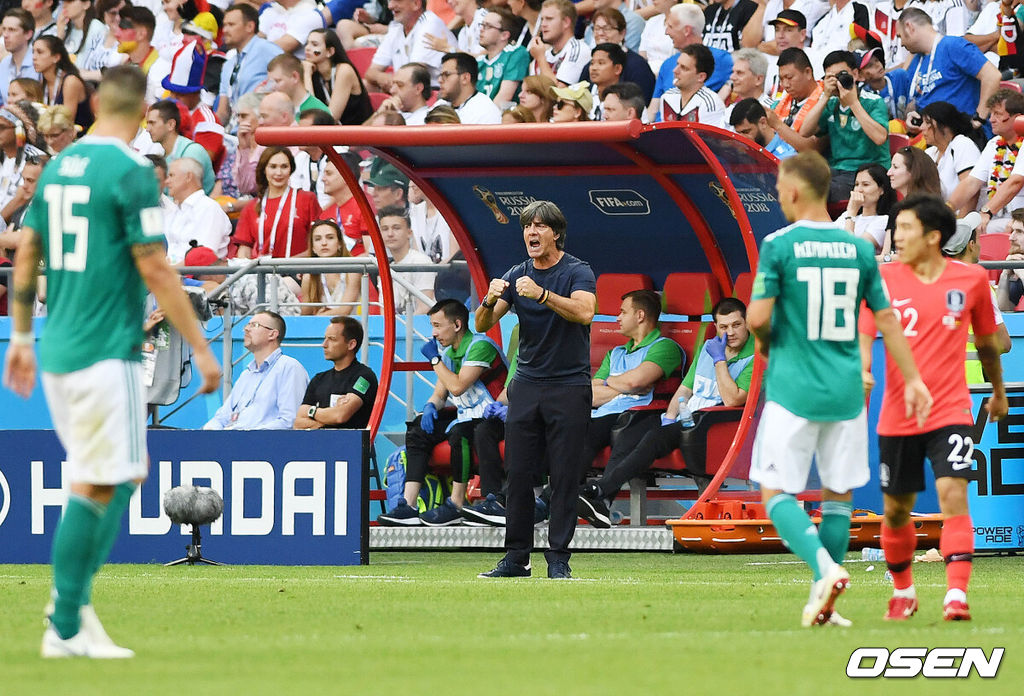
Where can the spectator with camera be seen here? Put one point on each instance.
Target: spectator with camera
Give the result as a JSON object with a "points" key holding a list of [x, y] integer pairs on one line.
{"points": [[857, 125]]}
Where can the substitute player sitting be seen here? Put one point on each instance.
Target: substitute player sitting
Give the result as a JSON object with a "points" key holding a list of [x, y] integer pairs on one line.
{"points": [[936, 300], [811, 279]]}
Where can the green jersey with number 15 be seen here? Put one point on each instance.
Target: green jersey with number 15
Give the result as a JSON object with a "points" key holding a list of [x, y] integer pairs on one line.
{"points": [[818, 275], [93, 202]]}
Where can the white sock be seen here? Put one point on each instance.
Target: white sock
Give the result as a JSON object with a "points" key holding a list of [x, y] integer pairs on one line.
{"points": [[955, 595], [909, 593]]}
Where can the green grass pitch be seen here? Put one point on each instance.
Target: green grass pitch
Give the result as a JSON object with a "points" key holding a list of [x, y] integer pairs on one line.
{"points": [[422, 623]]}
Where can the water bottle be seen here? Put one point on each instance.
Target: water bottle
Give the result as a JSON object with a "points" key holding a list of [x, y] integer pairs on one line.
{"points": [[685, 416], [872, 554]]}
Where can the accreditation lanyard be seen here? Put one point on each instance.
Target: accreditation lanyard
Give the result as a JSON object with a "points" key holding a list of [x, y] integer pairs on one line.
{"points": [[277, 219], [237, 407], [914, 86]]}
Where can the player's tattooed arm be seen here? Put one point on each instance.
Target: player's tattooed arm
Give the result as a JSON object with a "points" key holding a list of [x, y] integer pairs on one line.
{"points": [[24, 282], [140, 251]]}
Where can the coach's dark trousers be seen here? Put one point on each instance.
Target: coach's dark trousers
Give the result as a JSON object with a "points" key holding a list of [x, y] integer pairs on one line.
{"points": [[546, 423]]}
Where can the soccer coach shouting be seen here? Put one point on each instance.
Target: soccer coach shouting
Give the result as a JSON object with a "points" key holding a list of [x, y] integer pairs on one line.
{"points": [[549, 397]]}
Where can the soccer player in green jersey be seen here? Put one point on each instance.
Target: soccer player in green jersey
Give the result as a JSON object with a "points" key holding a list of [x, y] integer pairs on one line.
{"points": [[811, 279], [95, 220]]}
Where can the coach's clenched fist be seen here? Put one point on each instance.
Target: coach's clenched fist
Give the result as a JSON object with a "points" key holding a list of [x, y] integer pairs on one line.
{"points": [[525, 287], [495, 290]]}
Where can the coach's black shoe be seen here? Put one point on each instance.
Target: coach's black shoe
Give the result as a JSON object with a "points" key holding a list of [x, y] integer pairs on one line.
{"points": [[507, 569], [594, 510], [559, 570]]}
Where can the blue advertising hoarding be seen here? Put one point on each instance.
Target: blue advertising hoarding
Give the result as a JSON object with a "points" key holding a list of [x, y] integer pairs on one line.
{"points": [[996, 494], [290, 497]]}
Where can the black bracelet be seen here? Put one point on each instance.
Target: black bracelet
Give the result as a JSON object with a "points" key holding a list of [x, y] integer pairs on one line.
{"points": [[544, 297], [491, 305]]}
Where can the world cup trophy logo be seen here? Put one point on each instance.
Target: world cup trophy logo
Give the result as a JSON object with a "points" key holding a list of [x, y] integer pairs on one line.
{"points": [[491, 202], [719, 191]]}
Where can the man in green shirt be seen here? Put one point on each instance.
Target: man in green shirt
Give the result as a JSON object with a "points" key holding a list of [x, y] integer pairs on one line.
{"points": [[284, 72], [470, 374], [626, 378], [719, 375], [95, 219], [503, 66], [811, 279], [856, 123]]}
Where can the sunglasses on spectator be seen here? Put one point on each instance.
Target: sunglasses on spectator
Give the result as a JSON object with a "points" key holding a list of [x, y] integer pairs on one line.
{"points": [[561, 104]]}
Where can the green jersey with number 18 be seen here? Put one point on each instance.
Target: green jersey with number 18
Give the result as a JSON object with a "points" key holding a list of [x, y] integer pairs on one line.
{"points": [[93, 202], [818, 274]]}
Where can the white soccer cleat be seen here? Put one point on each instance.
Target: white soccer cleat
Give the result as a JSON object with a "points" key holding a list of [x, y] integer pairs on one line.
{"points": [[79, 645], [823, 596], [92, 627], [837, 620], [90, 624]]}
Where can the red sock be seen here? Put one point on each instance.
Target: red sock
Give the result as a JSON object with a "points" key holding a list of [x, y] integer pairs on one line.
{"points": [[899, 545], [957, 547]]}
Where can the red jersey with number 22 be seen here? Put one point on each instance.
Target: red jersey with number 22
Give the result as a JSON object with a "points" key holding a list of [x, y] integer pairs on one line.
{"points": [[935, 319]]}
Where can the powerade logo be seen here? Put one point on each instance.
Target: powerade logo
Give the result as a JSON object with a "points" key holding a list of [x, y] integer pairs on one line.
{"points": [[5, 498], [934, 663], [620, 202]]}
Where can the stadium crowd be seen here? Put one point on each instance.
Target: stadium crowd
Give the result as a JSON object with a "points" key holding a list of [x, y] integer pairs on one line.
{"points": [[901, 97]]}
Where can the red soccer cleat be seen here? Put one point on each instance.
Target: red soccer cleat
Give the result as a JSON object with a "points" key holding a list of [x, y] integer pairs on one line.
{"points": [[901, 608], [956, 611]]}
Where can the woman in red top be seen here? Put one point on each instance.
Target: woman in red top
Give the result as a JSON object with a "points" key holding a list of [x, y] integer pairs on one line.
{"points": [[277, 222]]}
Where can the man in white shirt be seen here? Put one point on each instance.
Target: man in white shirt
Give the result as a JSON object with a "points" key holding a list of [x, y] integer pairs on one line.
{"points": [[396, 231], [749, 67], [556, 52], [410, 90], [287, 23], [458, 88], [406, 42], [832, 32], [690, 100], [18, 28], [196, 215]]}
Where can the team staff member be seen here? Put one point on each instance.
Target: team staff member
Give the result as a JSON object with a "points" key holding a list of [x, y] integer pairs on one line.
{"points": [[343, 396], [104, 199], [549, 398], [936, 300]]}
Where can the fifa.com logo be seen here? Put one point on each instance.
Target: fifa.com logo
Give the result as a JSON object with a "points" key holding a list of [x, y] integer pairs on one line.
{"points": [[934, 663]]}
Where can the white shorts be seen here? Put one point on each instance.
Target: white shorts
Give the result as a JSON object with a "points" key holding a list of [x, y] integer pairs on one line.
{"points": [[99, 414], [786, 444]]}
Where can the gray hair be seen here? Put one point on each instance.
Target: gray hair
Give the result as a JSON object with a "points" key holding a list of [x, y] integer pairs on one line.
{"points": [[690, 15], [190, 166], [756, 60], [249, 100]]}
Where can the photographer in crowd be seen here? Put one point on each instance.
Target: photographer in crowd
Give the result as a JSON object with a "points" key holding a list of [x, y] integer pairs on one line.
{"points": [[856, 124]]}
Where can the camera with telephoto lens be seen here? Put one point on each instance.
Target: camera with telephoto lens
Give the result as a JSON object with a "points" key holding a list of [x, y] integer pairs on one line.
{"points": [[845, 79]]}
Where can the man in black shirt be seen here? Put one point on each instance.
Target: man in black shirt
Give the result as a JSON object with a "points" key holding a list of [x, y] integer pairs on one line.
{"points": [[343, 396], [553, 294]]}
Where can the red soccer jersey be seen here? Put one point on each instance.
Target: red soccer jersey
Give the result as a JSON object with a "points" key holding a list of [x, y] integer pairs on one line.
{"points": [[254, 230], [935, 319], [350, 219]]}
